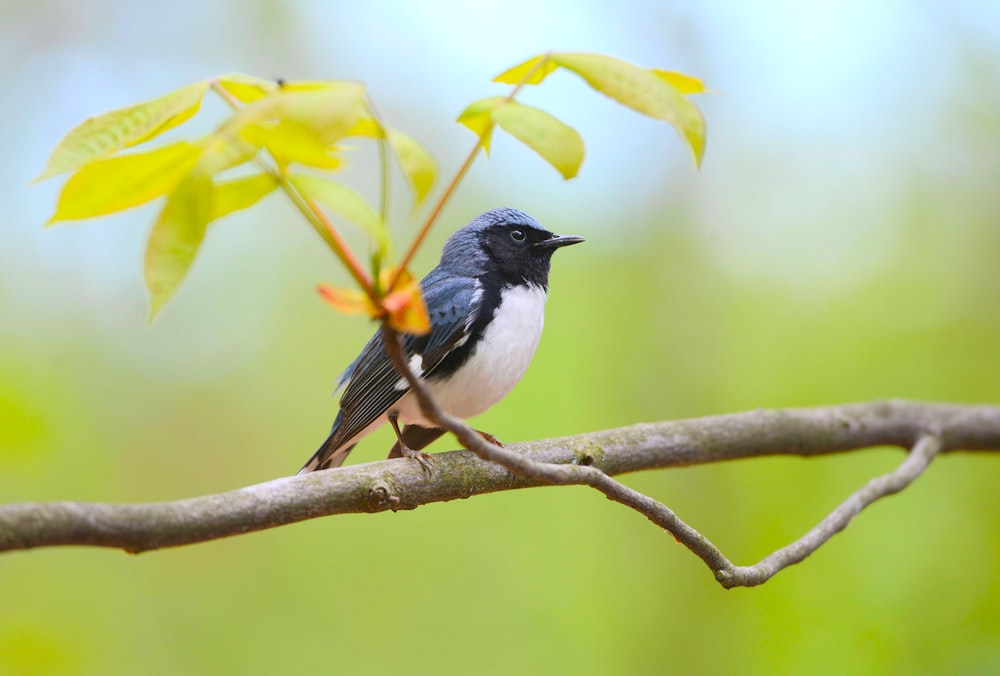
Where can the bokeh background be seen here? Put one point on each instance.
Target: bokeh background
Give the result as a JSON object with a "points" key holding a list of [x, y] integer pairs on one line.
{"points": [[840, 244]]}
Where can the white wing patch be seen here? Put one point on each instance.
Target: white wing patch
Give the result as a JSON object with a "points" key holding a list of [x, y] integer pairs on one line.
{"points": [[474, 302], [416, 365]]}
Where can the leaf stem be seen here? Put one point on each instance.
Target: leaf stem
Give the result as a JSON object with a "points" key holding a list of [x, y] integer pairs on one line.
{"points": [[224, 95], [383, 203], [312, 213], [322, 225], [453, 184]]}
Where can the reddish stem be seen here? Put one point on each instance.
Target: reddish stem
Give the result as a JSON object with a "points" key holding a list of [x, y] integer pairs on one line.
{"points": [[344, 253], [450, 189], [338, 245]]}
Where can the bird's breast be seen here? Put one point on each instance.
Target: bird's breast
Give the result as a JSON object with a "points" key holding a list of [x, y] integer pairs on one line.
{"points": [[500, 357]]}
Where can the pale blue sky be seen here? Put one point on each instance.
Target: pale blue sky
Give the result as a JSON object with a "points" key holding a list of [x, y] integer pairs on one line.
{"points": [[826, 109]]}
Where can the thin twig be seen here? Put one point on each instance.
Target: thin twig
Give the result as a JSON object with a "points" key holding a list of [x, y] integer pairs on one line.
{"points": [[725, 571], [309, 210], [924, 451], [562, 474], [383, 196]]}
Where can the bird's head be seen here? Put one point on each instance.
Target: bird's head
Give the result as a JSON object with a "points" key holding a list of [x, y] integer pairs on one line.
{"points": [[507, 242]]}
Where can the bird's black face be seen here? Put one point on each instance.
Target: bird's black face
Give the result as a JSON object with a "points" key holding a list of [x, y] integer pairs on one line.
{"points": [[522, 253]]}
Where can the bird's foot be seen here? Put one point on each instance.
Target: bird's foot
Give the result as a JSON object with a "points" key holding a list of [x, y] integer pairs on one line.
{"points": [[425, 459], [490, 438]]}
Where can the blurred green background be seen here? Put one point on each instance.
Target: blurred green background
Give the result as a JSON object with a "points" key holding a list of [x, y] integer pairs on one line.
{"points": [[840, 244]]}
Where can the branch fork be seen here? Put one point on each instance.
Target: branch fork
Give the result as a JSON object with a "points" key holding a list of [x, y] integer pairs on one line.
{"points": [[726, 573]]}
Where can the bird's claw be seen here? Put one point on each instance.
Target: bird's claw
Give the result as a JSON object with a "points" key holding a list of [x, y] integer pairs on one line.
{"points": [[425, 459]]}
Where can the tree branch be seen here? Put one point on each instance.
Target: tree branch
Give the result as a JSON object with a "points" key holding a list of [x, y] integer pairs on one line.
{"points": [[926, 448], [402, 484], [728, 574]]}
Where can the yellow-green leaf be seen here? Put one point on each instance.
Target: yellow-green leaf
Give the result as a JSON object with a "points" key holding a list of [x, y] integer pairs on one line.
{"points": [[367, 127], [417, 165], [246, 88], [240, 193], [478, 117], [315, 85], [685, 84], [176, 237], [118, 183], [223, 151], [289, 142], [559, 144], [326, 111], [641, 90], [345, 201], [101, 136], [538, 68]]}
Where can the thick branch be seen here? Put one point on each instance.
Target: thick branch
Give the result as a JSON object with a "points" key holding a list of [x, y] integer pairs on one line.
{"points": [[402, 484]]}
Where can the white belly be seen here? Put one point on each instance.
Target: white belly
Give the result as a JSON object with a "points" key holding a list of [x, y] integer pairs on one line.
{"points": [[497, 363]]}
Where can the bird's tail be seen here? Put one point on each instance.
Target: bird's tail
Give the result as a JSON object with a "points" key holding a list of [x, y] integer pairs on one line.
{"points": [[327, 457], [331, 453]]}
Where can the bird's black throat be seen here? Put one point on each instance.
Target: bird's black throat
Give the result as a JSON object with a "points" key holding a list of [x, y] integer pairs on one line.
{"points": [[493, 286]]}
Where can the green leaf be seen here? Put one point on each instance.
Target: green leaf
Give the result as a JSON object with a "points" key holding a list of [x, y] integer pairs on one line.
{"points": [[685, 84], [417, 165], [659, 94], [101, 136], [478, 117], [559, 144], [246, 88], [539, 67], [240, 193], [346, 202], [118, 183], [176, 238], [642, 91]]}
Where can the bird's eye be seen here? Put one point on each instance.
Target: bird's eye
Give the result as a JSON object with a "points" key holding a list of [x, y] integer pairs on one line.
{"points": [[517, 235]]}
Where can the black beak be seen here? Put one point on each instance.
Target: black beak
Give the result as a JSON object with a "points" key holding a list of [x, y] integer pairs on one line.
{"points": [[557, 241]]}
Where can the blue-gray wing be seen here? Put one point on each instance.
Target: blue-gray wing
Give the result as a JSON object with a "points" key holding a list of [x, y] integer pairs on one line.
{"points": [[373, 385]]}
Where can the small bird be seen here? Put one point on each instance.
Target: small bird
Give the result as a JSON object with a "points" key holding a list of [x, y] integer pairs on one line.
{"points": [[486, 301]]}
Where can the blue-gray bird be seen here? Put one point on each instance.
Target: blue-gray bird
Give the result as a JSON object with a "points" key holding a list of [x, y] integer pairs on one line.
{"points": [[486, 301]]}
